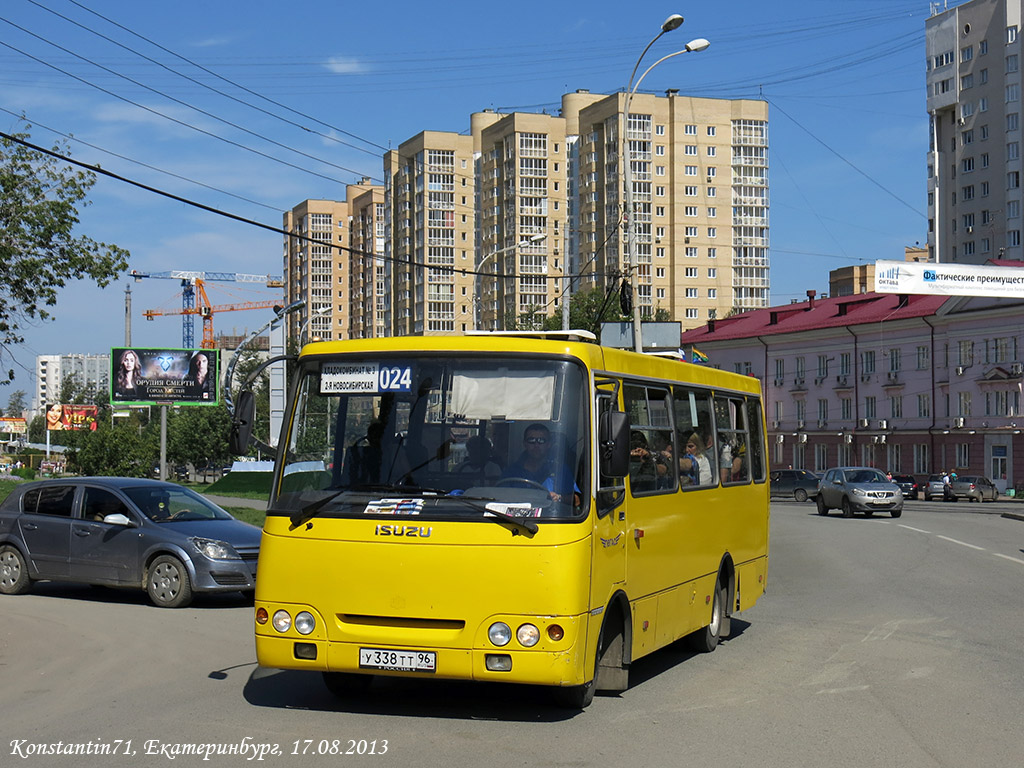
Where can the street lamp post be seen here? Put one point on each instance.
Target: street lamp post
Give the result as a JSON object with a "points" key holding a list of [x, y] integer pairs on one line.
{"points": [[671, 23], [533, 240]]}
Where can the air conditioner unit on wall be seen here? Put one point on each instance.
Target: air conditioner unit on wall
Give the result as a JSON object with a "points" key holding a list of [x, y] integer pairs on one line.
{"points": [[958, 423], [803, 438], [1017, 369], [864, 422]]}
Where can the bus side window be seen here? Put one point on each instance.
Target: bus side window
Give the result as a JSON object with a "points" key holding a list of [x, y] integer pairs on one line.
{"points": [[731, 431], [695, 437]]}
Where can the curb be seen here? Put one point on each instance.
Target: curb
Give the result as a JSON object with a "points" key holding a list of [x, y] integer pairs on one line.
{"points": [[1013, 516]]}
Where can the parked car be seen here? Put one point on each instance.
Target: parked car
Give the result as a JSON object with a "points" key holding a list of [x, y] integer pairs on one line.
{"points": [[859, 489], [908, 485], [799, 484], [934, 488], [974, 488], [124, 532]]}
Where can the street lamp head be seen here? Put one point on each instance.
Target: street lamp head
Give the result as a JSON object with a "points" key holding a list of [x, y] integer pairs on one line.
{"points": [[697, 45], [538, 238], [672, 22]]}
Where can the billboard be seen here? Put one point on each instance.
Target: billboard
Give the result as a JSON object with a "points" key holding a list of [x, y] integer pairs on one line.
{"points": [[13, 425], [948, 279], [71, 417], [164, 376]]}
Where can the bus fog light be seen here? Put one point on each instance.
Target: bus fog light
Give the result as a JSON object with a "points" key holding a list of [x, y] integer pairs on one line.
{"points": [[282, 621], [498, 662], [527, 635], [555, 632], [304, 623], [499, 633], [262, 617]]}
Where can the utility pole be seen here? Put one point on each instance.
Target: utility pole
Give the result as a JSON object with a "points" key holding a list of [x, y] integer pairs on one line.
{"points": [[128, 315]]}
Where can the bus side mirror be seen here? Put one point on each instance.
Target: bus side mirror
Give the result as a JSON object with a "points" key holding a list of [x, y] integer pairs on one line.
{"points": [[614, 443], [241, 423]]}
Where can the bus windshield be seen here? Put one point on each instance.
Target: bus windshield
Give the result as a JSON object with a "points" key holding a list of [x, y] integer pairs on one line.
{"points": [[437, 437]]}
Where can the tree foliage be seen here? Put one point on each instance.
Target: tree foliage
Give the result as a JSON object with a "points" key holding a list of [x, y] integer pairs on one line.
{"points": [[116, 450], [40, 198], [17, 403]]}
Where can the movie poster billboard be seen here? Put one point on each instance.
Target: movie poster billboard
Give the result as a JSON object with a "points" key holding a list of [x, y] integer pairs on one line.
{"points": [[71, 417], [164, 376]]}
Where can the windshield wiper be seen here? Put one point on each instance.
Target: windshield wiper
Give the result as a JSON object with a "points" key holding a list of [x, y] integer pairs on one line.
{"points": [[522, 522], [310, 511]]}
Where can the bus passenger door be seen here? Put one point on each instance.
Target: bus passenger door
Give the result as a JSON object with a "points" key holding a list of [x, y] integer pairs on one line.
{"points": [[609, 545]]}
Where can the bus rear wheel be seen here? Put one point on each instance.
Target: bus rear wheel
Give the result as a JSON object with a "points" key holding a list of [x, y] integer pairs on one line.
{"points": [[706, 640]]}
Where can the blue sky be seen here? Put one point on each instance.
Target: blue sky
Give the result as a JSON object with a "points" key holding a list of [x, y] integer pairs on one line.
{"points": [[310, 96]]}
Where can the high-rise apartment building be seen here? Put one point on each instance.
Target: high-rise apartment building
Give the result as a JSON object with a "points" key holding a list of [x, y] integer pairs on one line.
{"points": [[430, 230], [87, 372], [331, 262], [974, 108], [699, 170]]}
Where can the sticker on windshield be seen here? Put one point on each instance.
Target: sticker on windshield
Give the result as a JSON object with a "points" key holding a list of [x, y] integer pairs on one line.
{"points": [[514, 510], [394, 507], [364, 378]]}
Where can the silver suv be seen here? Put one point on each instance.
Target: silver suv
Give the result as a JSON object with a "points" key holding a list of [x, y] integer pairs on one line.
{"points": [[859, 489]]}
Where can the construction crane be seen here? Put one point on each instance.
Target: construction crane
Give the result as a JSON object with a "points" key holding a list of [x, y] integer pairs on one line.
{"points": [[190, 281]]}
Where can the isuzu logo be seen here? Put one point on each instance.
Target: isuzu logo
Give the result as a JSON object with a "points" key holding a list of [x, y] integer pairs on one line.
{"points": [[410, 531]]}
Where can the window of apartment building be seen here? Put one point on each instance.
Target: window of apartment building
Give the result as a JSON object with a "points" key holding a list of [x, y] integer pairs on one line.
{"points": [[844, 363], [1012, 93], [660, 252], [921, 464], [712, 253], [659, 130], [712, 172], [967, 164], [712, 293], [924, 406], [870, 407], [1012, 63], [967, 53], [983, 76], [1013, 180], [690, 252], [984, 189], [801, 410], [659, 231], [712, 231], [822, 410], [691, 313], [690, 231], [690, 130], [846, 408], [660, 293], [894, 356], [801, 368], [963, 455], [659, 170], [1013, 209], [659, 149], [712, 151], [984, 132], [983, 47], [822, 366], [943, 59], [986, 245], [659, 210], [659, 191], [967, 137], [867, 362], [691, 293], [983, 107], [780, 369], [712, 213], [967, 81], [690, 191], [659, 272], [691, 170], [1013, 150], [712, 192], [1013, 238], [984, 160], [965, 353], [896, 407], [690, 210], [967, 193], [712, 273], [690, 149], [1012, 121], [963, 404], [968, 220], [711, 130], [691, 273], [1011, 37]]}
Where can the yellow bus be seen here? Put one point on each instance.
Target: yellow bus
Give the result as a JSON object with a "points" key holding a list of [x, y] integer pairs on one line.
{"points": [[523, 508]]}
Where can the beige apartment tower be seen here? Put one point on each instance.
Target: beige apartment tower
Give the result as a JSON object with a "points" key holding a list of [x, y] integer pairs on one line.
{"points": [[430, 234], [700, 189], [974, 109]]}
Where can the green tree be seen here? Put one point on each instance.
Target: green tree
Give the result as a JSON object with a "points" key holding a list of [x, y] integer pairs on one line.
{"points": [[16, 403], [40, 197], [198, 436], [587, 310], [117, 450]]}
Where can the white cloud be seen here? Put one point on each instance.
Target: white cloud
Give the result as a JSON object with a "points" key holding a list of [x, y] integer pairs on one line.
{"points": [[343, 65]]}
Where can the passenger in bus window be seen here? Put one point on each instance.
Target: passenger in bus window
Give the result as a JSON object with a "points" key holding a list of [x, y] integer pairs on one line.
{"points": [[663, 455], [479, 463], [694, 464], [739, 460]]}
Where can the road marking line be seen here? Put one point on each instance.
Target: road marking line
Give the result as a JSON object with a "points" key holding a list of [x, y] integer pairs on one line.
{"points": [[850, 689], [1007, 557], [962, 543], [911, 528]]}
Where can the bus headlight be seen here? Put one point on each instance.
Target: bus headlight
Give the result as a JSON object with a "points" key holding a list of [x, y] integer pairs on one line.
{"points": [[499, 633], [527, 635], [304, 623], [282, 621]]}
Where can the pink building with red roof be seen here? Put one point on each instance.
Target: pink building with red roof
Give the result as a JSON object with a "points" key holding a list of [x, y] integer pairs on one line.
{"points": [[912, 384]]}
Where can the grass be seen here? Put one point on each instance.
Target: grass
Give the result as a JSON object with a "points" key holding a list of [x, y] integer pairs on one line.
{"points": [[6, 486], [246, 485], [248, 515]]}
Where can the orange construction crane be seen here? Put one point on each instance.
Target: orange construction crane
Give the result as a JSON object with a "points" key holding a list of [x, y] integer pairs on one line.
{"points": [[206, 311]]}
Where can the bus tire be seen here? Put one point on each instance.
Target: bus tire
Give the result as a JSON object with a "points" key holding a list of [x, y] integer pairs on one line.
{"points": [[706, 640]]}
